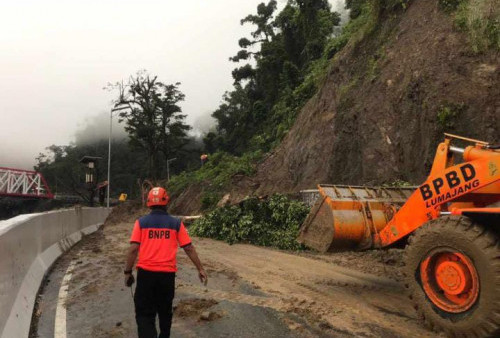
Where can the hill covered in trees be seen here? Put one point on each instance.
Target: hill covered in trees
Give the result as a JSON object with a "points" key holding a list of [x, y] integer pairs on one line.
{"points": [[278, 69], [313, 101], [370, 108]]}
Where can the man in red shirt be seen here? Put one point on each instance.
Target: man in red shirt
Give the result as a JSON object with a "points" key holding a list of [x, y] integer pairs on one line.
{"points": [[155, 239]]}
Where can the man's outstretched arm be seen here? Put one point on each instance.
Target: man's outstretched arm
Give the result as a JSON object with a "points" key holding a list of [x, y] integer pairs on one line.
{"points": [[191, 252]]}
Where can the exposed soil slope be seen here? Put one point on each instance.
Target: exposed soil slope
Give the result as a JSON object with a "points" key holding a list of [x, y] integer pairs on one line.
{"points": [[376, 117]]}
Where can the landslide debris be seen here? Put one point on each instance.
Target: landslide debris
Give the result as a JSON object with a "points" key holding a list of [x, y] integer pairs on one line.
{"points": [[196, 307], [126, 212]]}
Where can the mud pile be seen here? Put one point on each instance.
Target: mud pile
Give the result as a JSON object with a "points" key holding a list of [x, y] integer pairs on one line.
{"points": [[126, 212], [196, 307]]}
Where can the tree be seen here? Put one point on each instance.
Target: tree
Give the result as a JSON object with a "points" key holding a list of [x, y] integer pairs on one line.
{"points": [[264, 32], [355, 7], [153, 119], [173, 129], [235, 123], [283, 46], [61, 167]]}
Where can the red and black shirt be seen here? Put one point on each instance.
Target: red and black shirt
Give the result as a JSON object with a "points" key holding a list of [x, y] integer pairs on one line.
{"points": [[159, 235]]}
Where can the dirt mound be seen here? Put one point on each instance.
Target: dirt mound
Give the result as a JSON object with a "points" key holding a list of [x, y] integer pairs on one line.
{"points": [[188, 202], [384, 105], [126, 212], [193, 307]]}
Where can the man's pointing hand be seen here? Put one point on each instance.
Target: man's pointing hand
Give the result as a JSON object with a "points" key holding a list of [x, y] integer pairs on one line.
{"points": [[203, 276]]}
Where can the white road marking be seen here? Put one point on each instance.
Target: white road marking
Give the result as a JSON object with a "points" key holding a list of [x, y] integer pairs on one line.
{"points": [[60, 322]]}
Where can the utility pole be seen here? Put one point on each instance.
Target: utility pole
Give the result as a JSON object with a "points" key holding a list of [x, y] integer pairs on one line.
{"points": [[115, 108], [109, 154]]}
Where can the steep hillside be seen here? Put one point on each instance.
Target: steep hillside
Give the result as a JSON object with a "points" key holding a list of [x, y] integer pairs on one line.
{"points": [[384, 105]]}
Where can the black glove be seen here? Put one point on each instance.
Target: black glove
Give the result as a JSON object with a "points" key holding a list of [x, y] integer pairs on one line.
{"points": [[129, 280]]}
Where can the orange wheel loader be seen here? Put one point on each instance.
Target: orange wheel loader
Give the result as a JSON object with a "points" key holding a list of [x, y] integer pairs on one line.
{"points": [[451, 227]]}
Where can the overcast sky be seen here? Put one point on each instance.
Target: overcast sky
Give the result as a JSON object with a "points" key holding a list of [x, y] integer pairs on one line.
{"points": [[56, 56]]}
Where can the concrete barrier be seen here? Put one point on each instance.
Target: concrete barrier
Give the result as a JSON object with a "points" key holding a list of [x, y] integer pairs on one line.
{"points": [[29, 245]]}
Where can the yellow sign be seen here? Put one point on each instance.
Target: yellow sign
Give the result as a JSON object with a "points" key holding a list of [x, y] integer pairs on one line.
{"points": [[123, 197]]}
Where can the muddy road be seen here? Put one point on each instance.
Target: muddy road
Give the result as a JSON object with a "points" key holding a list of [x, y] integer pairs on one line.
{"points": [[252, 292]]}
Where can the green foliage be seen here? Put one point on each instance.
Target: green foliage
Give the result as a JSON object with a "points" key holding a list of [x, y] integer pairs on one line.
{"points": [[372, 68], [209, 200], [287, 108], [448, 114], [64, 173], [335, 45], [274, 222], [358, 7], [286, 48], [397, 184], [480, 19], [449, 5], [298, 85], [373, 65], [355, 7], [216, 174], [356, 29]]}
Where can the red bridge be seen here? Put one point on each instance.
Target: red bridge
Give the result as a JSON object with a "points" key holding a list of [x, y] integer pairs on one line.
{"points": [[23, 183]]}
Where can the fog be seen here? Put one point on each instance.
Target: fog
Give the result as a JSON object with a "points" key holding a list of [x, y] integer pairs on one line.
{"points": [[56, 56], [96, 127]]}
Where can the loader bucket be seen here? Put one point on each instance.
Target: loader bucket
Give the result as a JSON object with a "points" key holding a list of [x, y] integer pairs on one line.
{"points": [[347, 217]]}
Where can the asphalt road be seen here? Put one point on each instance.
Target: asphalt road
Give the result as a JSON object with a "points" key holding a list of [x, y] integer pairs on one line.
{"points": [[252, 292]]}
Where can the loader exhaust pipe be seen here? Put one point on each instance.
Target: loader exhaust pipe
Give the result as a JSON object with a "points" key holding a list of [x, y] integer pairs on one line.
{"points": [[457, 150]]}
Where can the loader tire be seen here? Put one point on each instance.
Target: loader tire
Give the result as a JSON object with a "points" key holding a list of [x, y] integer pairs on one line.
{"points": [[452, 269]]}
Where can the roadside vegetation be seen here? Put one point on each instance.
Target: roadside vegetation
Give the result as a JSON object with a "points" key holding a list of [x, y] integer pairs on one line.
{"points": [[274, 222]]}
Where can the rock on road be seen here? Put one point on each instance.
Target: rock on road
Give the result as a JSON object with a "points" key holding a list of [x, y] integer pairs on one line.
{"points": [[252, 292]]}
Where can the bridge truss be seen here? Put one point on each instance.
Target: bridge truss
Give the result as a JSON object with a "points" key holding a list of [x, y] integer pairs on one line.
{"points": [[23, 183]]}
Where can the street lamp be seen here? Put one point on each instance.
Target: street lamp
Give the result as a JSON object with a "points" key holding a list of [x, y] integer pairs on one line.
{"points": [[116, 108], [168, 167]]}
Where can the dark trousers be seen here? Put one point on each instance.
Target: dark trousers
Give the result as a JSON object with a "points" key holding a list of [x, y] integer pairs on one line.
{"points": [[153, 295]]}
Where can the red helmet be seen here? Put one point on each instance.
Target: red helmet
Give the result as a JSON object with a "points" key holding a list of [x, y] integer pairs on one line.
{"points": [[157, 196]]}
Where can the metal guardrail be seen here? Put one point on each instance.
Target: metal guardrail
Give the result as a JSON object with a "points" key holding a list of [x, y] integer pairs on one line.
{"points": [[23, 183]]}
